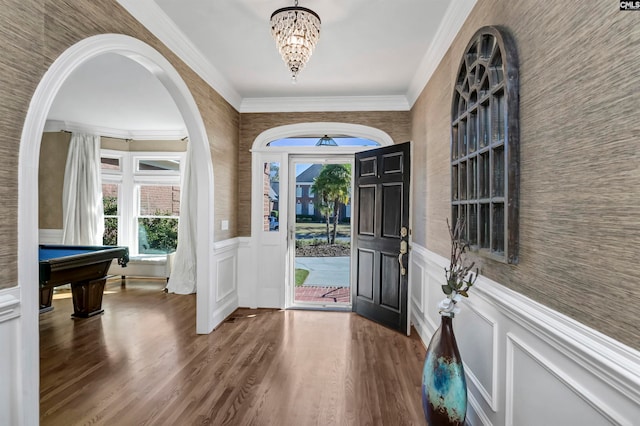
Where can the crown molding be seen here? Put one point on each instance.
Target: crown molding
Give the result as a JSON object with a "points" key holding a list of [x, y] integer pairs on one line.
{"points": [[157, 22], [138, 135], [149, 14], [325, 103], [454, 18]]}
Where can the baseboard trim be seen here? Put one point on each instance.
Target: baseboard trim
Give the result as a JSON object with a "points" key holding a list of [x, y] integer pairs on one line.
{"points": [[227, 308]]}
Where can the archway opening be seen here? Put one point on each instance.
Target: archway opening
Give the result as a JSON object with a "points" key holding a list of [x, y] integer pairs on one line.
{"points": [[41, 102], [292, 150]]}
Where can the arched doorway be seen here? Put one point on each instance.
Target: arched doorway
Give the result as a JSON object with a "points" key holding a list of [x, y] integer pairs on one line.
{"points": [[41, 102], [272, 249]]}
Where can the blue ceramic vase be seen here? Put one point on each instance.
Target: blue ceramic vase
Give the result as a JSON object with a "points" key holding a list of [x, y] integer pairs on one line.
{"points": [[444, 388]]}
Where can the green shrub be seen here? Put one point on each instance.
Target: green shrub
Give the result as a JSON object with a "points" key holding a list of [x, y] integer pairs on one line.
{"points": [[110, 236], [161, 234]]}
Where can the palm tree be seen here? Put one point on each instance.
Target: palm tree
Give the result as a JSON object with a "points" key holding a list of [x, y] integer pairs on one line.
{"points": [[333, 187]]}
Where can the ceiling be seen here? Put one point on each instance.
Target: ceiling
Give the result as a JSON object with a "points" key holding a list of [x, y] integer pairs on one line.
{"points": [[115, 96], [372, 55]]}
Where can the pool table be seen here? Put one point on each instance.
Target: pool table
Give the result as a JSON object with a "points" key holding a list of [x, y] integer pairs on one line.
{"points": [[84, 267]]}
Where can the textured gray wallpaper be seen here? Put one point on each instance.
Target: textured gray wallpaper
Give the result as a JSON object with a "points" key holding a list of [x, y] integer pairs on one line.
{"points": [[395, 123], [580, 158], [33, 33]]}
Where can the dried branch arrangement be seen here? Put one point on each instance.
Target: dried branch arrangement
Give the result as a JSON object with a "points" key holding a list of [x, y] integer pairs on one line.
{"points": [[460, 277]]}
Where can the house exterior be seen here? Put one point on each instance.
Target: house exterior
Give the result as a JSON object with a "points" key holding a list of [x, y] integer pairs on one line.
{"points": [[307, 204], [561, 325]]}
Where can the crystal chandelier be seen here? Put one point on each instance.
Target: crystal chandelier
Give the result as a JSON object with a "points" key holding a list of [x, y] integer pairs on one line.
{"points": [[296, 31]]}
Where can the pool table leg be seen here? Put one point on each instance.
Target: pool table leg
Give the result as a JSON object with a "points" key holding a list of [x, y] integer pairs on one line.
{"points": [[46, 296], [87, 297]]}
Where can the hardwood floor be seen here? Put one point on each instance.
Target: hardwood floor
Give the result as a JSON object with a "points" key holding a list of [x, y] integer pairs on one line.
{"points": [[141, 363]]}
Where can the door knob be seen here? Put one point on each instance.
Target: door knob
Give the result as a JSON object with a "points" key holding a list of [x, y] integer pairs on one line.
{"points": [[403, 251]]}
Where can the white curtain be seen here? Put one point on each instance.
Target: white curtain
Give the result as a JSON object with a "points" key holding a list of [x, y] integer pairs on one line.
{"points": [[183, 272], [82, 212]]}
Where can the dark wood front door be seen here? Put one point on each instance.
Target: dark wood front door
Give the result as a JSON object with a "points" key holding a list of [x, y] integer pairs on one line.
{"points": [[381, 226]]}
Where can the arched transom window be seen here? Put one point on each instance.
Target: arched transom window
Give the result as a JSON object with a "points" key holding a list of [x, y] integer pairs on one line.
{"points": [[484, 145]]}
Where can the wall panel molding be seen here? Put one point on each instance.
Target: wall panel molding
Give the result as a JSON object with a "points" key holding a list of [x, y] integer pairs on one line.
{"points": [[475, 414], [416, 272], [226, 257], [50, 236], [10, 359], [515, 345], [247, 294], [487, 390], [9, 304], [595, 373], [610, 360]]}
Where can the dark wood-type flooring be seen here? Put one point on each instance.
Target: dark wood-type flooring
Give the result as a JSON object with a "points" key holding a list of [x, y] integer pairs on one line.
{"points": [[141, 363]]}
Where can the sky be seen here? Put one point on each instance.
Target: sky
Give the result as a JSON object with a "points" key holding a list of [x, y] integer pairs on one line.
{"points": [[311, 141], [341, 141]]}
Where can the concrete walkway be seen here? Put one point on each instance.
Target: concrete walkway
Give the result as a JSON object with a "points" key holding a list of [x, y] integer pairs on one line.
{"points": [[325, 271]]}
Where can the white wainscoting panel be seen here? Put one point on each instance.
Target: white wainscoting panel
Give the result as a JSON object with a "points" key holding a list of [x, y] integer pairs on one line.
{"points": [[433, 281], [226, 269], [225, 259], [50, 236], [247, 295], [9, 356], [9, 304], [416, 272], [481, 341], [525, 363], [261, 271], [271, 276], [529, 373]]}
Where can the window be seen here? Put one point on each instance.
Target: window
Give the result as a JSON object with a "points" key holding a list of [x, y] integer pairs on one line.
{"points": [[157, 220], [111, 216], [110, 164], [270, 194], [160, 165], [298, 191], [141, 199], [485, 145]]}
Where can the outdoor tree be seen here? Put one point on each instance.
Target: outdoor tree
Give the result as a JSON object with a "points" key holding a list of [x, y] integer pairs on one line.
{"points": [[333, 188], [161, 233], [274, 172], [110, 206]]}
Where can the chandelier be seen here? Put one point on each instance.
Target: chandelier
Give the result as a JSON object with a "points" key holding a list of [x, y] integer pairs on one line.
{"points": [[296, 31], [326, 141]]}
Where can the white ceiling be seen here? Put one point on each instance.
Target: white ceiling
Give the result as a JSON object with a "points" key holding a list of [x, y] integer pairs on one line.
{"points": [[115, 96], [372, 55], [366, 47]]}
